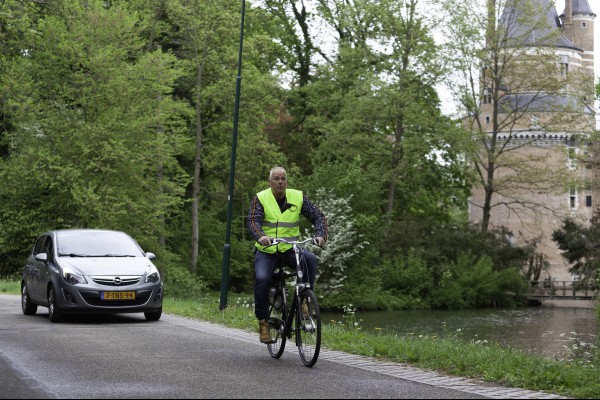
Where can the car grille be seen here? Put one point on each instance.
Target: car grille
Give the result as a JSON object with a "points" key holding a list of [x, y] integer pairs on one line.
{"points": [[93, 298], [116, 280]]}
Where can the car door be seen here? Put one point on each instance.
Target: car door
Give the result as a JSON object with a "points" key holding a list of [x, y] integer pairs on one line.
{"points": [[39, 268], [31, 268]]}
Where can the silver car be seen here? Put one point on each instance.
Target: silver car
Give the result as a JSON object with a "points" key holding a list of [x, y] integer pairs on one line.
{"points": [[90, 270]]}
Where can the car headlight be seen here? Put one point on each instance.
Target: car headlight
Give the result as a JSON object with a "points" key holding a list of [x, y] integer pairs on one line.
{"points": [[153, 275], [72, 278]]}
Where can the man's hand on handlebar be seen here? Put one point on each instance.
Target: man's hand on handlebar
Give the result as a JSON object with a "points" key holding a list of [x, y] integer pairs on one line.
{"points": [[264, 240]]}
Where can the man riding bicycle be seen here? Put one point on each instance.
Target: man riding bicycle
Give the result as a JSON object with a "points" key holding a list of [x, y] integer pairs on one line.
{"points": [[275, 213]]}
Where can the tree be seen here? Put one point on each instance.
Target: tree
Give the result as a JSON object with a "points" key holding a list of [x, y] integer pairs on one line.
{"points": [[578, 240], [343, 242], [205, 35], [89, 128], [378, 102], [16, 20], [372, 130]]}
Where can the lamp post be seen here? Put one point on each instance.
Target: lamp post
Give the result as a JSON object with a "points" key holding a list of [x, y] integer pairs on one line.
{"points": [[227, 246]]}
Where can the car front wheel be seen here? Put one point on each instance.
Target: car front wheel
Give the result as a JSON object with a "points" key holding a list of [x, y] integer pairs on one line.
{"points": [[54, 311], [153, 315], [28, 307]]}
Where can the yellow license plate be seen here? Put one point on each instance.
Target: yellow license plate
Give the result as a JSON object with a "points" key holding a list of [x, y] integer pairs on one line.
{"points": [[117, 295]]}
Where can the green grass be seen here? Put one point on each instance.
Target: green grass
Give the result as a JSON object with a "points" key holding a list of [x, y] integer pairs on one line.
{"points": [[10, 287], [447, 353]]}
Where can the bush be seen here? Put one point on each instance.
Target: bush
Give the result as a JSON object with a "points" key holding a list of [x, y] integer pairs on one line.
{"points": [[178, 281], [471, 282]]}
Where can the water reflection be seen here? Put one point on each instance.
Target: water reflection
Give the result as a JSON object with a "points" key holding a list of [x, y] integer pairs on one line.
{"points": [[539, 330]]}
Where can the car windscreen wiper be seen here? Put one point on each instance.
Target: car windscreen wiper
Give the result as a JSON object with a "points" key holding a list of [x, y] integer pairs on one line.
{"points": [[72, 255], [117, 255]]}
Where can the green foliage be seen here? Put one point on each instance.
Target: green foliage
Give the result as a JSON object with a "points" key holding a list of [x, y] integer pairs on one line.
{"points": [[472, 282], [578, 242], [178, 281], [408, 277], [100, 129], [362, 287], [468, 282], [10, 286]]}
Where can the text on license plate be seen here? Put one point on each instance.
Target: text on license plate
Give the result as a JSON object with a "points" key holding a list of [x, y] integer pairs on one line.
{"points": [[117, 295]]}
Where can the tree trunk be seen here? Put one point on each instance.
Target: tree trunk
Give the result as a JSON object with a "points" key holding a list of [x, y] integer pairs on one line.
{"points": [[197, 167]]}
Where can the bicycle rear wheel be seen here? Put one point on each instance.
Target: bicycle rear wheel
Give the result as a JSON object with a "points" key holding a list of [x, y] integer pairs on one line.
{"points": [[277, 318], [309, 332]]}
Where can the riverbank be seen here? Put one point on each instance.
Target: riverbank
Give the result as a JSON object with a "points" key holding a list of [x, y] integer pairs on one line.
{"points": [[567, 303], [550, 332]]}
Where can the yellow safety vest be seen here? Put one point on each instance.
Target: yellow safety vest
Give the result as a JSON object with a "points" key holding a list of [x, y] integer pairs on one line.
{"points": [[276, 224]]}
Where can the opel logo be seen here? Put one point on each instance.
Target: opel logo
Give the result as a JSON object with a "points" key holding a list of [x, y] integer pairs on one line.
{"points": [[117, 280]]}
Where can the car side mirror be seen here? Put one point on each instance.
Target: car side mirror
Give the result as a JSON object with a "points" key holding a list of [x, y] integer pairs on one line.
{"points": [[150, 255], [43, 257]]}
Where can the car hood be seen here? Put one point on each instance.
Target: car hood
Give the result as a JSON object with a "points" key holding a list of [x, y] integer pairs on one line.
{"points": [[107, 265]]}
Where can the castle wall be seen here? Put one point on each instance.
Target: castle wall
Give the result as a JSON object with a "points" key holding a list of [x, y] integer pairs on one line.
{"points": [[540, 211], [548, 144]]}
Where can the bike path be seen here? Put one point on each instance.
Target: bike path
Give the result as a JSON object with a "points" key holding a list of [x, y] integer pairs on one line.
{"points": [[398, 370]]}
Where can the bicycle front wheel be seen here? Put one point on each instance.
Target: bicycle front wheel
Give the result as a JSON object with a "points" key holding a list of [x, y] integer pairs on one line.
{"points": [[309, 332], [277, 321]]}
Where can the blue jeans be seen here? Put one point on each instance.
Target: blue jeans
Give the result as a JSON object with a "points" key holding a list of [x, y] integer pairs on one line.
{"points": [[264, 264]]}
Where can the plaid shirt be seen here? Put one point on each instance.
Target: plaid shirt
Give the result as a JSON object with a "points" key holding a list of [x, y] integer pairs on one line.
{"points": [[256, 215]]}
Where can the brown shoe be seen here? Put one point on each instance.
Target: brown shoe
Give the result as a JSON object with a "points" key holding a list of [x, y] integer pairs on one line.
{"points": [[305, 310], [264, 331]]}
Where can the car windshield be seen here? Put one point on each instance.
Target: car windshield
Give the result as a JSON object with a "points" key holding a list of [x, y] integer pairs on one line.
{"points": [[96, 244]]}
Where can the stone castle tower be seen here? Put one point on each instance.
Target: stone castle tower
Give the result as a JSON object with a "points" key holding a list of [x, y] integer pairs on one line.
{"points": [[538, 129]]}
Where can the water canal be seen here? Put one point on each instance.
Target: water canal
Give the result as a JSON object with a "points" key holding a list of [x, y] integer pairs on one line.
{"points": [[546, 331]]}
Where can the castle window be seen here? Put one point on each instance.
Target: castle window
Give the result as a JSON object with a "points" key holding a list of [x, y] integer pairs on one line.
{"points": [[487, 96], [487, 119], [572, 155], [588, 200], [573, 197], [583, 24], [564, 65]]}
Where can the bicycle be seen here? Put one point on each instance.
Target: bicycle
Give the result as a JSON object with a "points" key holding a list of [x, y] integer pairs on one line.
{"points": [[303, 315]]}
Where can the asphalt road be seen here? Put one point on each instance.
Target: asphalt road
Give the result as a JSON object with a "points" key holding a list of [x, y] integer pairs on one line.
{"points": [[123, 356]]}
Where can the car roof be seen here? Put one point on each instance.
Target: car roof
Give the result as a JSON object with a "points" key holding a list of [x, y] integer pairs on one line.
{"points": [[56, 232]]}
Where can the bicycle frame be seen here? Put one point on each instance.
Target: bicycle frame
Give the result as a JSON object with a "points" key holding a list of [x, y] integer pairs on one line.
{"points": [[299, 286], [306, 324]]}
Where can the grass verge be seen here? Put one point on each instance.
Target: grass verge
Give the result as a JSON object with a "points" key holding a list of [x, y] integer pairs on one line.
{"points": [[10, 287]]}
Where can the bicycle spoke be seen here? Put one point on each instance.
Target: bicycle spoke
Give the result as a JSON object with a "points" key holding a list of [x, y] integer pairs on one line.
{"points": [[277, 317], [309, 334]]}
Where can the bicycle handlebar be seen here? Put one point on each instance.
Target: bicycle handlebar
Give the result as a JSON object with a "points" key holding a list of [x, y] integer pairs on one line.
{"points": [[275, 241]]}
